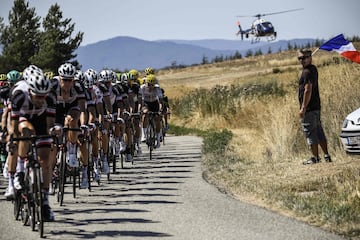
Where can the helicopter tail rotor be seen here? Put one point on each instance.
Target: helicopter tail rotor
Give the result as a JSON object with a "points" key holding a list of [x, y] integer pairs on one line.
{"points": [[240, 30]]}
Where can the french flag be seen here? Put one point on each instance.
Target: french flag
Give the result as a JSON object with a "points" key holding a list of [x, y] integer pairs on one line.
{"points": [[342, 46]]}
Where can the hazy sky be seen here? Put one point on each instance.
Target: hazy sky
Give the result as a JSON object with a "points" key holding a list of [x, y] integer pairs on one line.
{"points": [[200, 19]]}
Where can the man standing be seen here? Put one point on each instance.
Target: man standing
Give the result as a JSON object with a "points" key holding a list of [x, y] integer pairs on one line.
{"points": [[310, 107]]}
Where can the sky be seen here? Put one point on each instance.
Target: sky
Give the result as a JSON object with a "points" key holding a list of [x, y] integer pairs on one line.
{"points": [[200, 19]]}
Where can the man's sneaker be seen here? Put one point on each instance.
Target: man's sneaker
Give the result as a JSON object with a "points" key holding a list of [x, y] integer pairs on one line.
{"points": [[9, 193], [311, 160], [48, 213], [122, 146], [327, 158], [128, 158], [6, 170], [105, 167], [19, 180], [72, 160]]}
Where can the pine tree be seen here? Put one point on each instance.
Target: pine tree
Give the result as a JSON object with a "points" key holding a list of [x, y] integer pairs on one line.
{"points": [[56, 43], [20, 38]]}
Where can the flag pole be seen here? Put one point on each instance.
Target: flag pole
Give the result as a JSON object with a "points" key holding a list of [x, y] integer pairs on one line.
{"points": [[317, 49]]}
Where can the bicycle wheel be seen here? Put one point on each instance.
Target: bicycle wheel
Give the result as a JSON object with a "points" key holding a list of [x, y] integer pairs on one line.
{"points": [[62, 176], [75, 176], [151, 138], [39, 210], [17, 205]]}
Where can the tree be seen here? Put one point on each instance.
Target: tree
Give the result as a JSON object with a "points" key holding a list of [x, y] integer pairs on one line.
{"points": [[56, 43], [20, 38]]}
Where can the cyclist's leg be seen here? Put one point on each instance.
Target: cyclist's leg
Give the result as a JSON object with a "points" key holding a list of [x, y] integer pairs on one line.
{"points": [[105, 147], [95, 152], [84, 158], [25, 129], [144, 122], [72, 121]]}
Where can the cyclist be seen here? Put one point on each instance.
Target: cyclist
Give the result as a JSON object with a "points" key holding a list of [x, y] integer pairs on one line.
{"points": [[33, 112], [89, 120], [5, 91], [70, 109], [165, 108], [151, 97], [134, 83], [91, 83], [124, 106]]}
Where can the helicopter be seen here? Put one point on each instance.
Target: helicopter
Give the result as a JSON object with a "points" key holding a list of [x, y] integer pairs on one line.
{"points": [[261, 27]]}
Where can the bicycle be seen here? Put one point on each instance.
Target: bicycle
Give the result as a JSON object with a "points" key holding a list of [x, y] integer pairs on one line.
{"points": [[150, 132], [63, 167], [130, 129], [28, 203]]}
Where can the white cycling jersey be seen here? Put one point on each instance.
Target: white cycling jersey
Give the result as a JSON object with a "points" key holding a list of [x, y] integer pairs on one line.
{"points": [[148, 95]]}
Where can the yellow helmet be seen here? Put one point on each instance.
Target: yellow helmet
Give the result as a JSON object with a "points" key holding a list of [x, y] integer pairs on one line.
{"points": [[149, 70], [151, 79], [134, 74]]}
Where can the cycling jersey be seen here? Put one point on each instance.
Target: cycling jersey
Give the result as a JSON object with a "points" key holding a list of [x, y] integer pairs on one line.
{"points": [[63, 106], [150, 96], [22, 108]]}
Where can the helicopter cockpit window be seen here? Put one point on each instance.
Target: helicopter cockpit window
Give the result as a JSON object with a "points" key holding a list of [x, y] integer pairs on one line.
{"points": [[267, 25]]}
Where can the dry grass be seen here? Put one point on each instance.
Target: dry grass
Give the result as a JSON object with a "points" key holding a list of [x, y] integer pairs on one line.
{"points": [[268, 142]]}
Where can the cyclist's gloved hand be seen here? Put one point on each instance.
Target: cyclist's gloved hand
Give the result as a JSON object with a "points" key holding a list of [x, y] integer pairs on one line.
{"points": [[11, 147], [84, 129], [56, 130], [92, 126]]}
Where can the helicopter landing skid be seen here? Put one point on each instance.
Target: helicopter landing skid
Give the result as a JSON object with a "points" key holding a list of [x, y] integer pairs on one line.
{"points": [[255, 40], [271, 38]]}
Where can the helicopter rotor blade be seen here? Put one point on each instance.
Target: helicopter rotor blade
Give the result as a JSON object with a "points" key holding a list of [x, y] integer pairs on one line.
{"points": [[266, 14]]}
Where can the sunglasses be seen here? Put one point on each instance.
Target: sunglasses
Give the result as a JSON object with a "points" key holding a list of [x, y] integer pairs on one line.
{"points": [[39, 97], [303, 58], [67, 79]]}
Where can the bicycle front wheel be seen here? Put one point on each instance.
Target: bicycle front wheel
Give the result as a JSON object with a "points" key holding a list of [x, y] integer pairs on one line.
{"points": [[39, 201]]}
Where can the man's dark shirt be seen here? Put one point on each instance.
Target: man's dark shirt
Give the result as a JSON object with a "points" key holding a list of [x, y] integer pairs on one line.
{"points": [[310, 75]]}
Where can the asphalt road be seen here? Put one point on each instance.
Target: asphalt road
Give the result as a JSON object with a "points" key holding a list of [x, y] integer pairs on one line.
{"points": [[165, 198]]}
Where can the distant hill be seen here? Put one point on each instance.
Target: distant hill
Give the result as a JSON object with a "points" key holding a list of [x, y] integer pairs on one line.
{"points": [[127, 52]]}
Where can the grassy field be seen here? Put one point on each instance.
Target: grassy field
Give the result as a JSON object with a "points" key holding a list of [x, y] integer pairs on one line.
{"points": [[255, 99]]}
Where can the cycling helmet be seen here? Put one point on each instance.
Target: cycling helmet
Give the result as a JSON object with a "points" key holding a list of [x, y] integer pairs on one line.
{"points": [[67, 70], [79, 75], [13, 76], [114, 77], [89, 78], [149, 70], [106, 75], [29, 70], [151, 79], [94, 75], [38, 84], [124, 78], [134, 74]]}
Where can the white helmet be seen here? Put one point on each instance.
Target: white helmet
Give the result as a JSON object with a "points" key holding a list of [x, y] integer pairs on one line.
{"points": [[79, 75], [89, 78], [29, 70], [67, 70], [38, 83], [106, 76]]}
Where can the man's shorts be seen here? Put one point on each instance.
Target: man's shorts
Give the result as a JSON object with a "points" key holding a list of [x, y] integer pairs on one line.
{"points": [[313, 130]]}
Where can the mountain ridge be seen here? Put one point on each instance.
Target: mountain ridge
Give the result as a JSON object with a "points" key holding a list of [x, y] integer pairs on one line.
{"points": [[125, 52]]}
